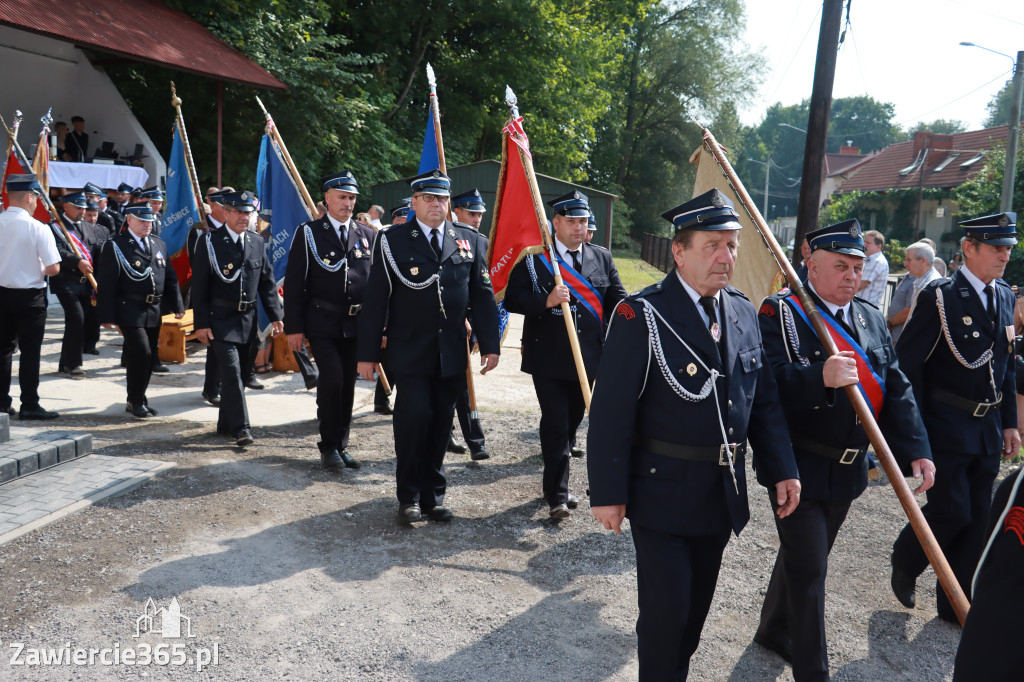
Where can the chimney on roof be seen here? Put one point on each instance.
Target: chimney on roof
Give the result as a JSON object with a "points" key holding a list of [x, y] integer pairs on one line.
{"points": [[925, 139], [849, 150]]}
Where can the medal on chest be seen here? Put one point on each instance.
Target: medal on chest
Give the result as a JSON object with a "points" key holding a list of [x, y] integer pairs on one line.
{"points": [[716, 332], [464, 250]]}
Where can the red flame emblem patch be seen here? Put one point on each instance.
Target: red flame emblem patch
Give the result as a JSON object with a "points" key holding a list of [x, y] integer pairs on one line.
{"points": [[625, 311], [767, 309], [1015, 522]]}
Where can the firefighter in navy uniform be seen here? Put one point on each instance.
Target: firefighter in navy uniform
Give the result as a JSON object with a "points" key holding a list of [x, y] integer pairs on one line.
{"points": [[829, 442], [328, 268], [425, 274], [381, 401], [230, 270], [469, 209], [214, 221], [133, 278], [547, 354], [990, 646], [957, 351], [682, 385]]}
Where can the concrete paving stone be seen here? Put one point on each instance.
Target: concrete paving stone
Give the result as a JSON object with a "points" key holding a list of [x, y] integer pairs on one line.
{"points": [[27, 462], [8, 526], [48, 458], [83, 444], [5, 427], [65, 448], [8, 469]]}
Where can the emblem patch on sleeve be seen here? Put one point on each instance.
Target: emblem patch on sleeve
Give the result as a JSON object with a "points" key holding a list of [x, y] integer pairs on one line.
{"points": [[767, 309], [625, 310], [1015, 522]]}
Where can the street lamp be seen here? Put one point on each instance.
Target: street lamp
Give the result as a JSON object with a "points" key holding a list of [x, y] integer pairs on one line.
{"points": [[1006, 204], [786, 125]]}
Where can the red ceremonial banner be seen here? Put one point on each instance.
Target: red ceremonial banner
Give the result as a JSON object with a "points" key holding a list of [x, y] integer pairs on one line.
{"points": [[514, 232], [14, 168]]}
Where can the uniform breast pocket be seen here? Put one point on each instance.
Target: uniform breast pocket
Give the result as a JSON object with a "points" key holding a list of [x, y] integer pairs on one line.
{"points": [[599, 281], [881, 357], [253, 264], [750, 360]]}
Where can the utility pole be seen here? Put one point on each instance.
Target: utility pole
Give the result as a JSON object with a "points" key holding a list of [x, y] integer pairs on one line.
{"points": [[817, 121], [1009, 175]]}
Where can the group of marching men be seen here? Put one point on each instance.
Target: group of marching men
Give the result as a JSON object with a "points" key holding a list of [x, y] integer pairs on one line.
{"points": [[688, 373]]}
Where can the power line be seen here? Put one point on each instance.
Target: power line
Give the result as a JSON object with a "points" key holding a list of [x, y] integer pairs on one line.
{"points": [[943, 106], [793, 58]]}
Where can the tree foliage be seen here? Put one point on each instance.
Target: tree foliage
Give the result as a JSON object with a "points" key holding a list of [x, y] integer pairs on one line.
{"points": [[1000, 106]]}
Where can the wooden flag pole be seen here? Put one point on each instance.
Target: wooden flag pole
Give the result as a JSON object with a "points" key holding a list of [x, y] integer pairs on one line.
{"points": [[917, 521], [542, 221], [193, 179], [435, 109]]}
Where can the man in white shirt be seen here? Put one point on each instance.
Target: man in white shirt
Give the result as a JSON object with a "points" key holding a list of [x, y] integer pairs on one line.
{"points": [[29, 255], [920, 257], [876, 269]]}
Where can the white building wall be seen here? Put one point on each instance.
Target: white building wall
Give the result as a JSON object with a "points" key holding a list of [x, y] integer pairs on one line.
{"points": [[38, 73]]}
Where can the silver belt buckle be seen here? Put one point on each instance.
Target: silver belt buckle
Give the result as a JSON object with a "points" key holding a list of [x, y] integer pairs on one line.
{"points": [[149, 298], [723, 454], [354, 309], [243, 307], [982, 409], [849, 455]]}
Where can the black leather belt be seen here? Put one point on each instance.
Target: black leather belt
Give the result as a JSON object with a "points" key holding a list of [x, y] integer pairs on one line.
{"points": [[693, 453], [352, 311], [976, 409], [148, 298], [841, 455], [240, 306]]}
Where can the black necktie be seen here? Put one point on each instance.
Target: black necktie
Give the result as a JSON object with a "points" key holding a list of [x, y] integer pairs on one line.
{"points": [[575, 260], [708, 303], [842, 322], [343, 234], [435, 241], [145, 246], [990, 295]]}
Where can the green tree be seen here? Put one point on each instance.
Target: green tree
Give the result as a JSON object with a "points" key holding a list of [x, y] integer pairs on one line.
{"points": [[1000, 105], [941, 126], [982, 194]]}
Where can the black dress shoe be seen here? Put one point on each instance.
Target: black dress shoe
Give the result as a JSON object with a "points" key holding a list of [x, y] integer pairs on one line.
{"points": [[311, 383], [139, 410], [149, 409], [349, 461], [478, 455], [572, 502], [903, 586], [576, 452], [243, 438], [455, 446], [251, 382], [383, 409], [212, 399], [36, 412], [10, 410], [161, 368], [409, 513], [91, 351], [440, 513], [783, 649], [559, 512], [332, 461]]}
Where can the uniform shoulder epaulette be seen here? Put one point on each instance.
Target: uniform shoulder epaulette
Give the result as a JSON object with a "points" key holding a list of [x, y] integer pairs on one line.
{"points": [[864, 300], [1004, 283], [941, 281], [598, 246], [464, 226], [647, 291], [736, 292]]}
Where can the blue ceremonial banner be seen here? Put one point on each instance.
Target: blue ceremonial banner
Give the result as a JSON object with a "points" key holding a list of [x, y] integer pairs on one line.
{"points": [[182, 211], [281, 204], [429, 158]]}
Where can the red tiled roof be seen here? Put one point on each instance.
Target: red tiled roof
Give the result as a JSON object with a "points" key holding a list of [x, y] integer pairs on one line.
{"points": [[882, 171], [139, 30], [837, 163]]}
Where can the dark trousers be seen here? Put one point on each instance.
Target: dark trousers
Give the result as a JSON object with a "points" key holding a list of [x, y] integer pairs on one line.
{"points": [[561, 411], [211, 382], [335, 389], [422, 424], [306, 366], [140, 345], [90, 327], [794, 607], [233, 415], [957, 511], [472, 431], [22, 323], [154, 360], [676, 577], [75, 306]]}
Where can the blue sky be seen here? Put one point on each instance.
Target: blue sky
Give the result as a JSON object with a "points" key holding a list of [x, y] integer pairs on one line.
{"points": [[906, 52]]}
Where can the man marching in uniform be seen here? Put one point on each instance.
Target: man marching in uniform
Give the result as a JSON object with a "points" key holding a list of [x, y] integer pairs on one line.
{"points": [[214, 221], [328, 267], [381, 401], [134, 276], [827, 437], [591, 286], [683, 384], [957, 351], [230, 270], [425, 274]]}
